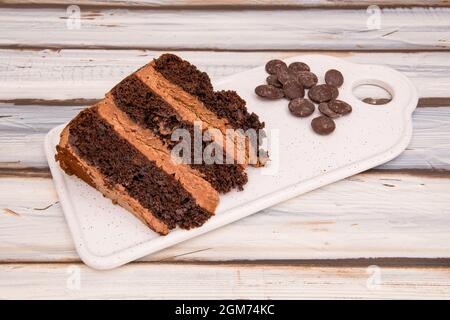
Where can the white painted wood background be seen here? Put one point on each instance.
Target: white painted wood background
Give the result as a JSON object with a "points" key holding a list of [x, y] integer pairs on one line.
{"points": [[318, 245]]}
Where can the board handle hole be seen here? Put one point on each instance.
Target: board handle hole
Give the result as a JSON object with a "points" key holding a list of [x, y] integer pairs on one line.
{"points": [[373, 93]]}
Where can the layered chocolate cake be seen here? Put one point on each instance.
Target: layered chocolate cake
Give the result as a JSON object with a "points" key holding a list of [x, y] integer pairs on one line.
{"points": [[123, 146]]}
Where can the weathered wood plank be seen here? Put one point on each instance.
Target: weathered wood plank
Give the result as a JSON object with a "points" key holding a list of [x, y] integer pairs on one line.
{"points": [[236, 281], [406, 28], [81, 74], [231, 3], [375, 214], [23, 129], [88, 74]]}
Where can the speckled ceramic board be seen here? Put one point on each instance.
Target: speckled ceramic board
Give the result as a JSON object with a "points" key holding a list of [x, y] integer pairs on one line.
{"points": [[107, 236]]}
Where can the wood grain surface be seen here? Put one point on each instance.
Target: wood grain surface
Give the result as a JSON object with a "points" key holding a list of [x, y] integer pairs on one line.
{"points": [[87, 74], [237, 281], [318, 245], [243, 30], [375, 214], [24, 127], [232, 3]]}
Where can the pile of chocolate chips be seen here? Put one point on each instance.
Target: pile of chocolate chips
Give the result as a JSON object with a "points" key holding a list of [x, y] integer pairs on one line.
{"points": [[291, 82]]}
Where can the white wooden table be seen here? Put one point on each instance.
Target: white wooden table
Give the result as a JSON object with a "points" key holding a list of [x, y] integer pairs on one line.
{"points": [[395, 218]]}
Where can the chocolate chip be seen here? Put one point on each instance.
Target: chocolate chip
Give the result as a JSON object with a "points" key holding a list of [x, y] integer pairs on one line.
{"points": [[301, 107], [323, 125], [298, 66], [307, 79], [320, 93], [325, 109], [273, 81], [269, 92], [291, 82], [340, 107], [285, 75], [274, 66], [292, 89], [334, 78], [334, 92]]}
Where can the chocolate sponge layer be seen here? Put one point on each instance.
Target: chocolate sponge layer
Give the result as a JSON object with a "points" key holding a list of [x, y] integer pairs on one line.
{"points": [[95, 141], [150, 111]]}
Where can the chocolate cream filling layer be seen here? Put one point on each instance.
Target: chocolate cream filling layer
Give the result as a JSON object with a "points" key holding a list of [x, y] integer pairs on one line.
{"points": [[96, 142], [150, 111]]}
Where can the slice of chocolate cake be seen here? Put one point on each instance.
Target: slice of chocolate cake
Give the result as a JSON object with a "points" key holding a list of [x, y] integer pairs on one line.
{"points": [[123, 145]]}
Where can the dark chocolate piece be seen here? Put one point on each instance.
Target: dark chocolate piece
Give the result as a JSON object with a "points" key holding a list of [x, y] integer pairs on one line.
{"points": [[273, 81], [340, 107], [334, 78], [292, 89], [325, 110], [298, 66], [274, 66], [285, 75], [269, 92], [301, 107], [320, 93], [307, 79], [323, 125], [334, 92]]}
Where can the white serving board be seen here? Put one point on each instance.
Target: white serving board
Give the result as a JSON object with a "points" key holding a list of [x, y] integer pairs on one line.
{"points": [[107, 236]]}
